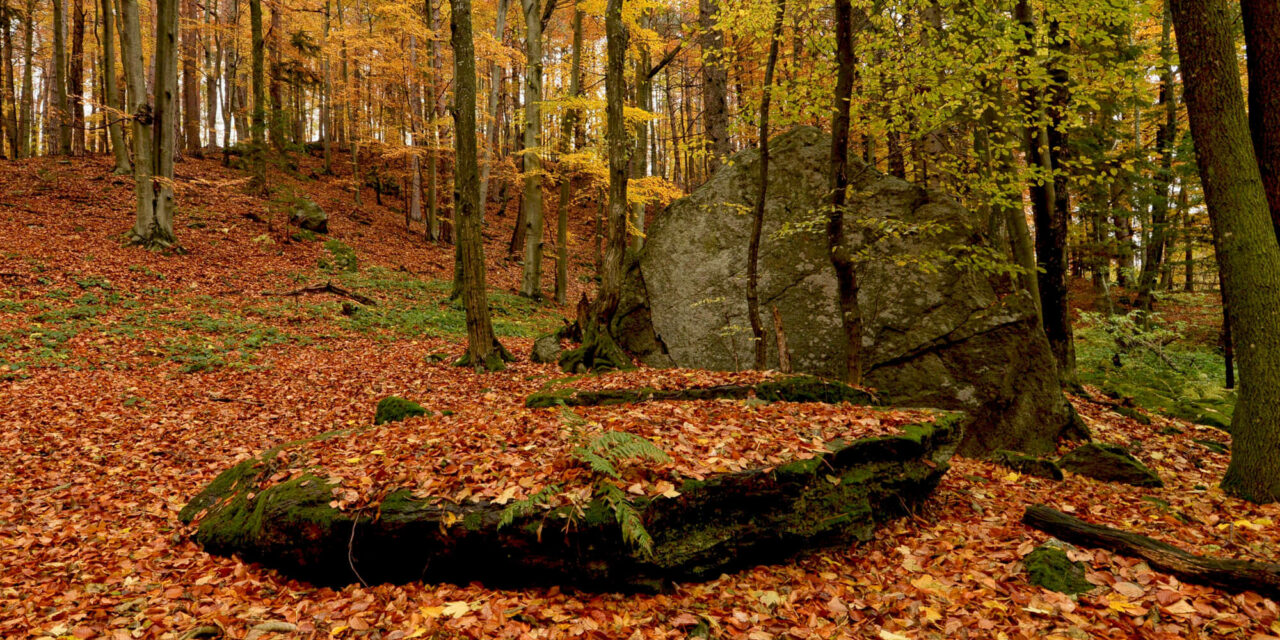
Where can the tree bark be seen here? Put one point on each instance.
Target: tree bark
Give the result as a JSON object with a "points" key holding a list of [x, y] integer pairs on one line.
{"points": [[190, 83], [483, 350], [567, 125], [1248, 255], [1262, 40], [495, 84], [531, 280], [757, 213], [27, 117], [841, 257], [276, 125]]}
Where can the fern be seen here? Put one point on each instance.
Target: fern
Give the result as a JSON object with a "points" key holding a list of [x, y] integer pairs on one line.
{"points": [[521, 508], [628, 517], [604, 452]]}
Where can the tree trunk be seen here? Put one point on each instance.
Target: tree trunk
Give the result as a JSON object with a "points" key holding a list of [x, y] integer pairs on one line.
{"points": [[213, 69], [531, 280], [1262, 40], [118, 147], [715, 80], [8, 97], [841, 257], [75, 78], [1248, 254], [483, 350], [1233, 576], [757, 213], [258, 119], [61, 115]]}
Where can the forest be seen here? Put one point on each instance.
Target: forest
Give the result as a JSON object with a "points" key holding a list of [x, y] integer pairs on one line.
{"points": [[723, 319]]}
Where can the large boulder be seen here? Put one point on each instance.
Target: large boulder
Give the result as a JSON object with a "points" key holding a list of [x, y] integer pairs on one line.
{"points": [[938, 331]]}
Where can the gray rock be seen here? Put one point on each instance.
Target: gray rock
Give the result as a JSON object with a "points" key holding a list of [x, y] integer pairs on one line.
{"points": [[308, 215], [936, 333], [1109, 463]]}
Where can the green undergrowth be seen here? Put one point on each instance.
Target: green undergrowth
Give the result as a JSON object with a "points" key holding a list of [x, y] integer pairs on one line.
{"points": [[1152, 366]]}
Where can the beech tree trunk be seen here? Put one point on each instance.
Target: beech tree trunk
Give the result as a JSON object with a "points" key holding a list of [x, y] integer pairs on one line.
{"points": [[483, 350], [1248, 255], [1262, 39], [567, 125], [841, 257], [1166, 136], [277, 96], [495, 84], [531, 280], [27, 117], [610, 293]]}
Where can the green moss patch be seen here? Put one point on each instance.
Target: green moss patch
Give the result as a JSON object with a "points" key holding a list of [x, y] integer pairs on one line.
{"points": [[395, 409]]}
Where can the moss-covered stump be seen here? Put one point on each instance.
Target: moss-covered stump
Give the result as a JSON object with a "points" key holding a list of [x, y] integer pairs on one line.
{"points": [[791, 389], [726, 521]]}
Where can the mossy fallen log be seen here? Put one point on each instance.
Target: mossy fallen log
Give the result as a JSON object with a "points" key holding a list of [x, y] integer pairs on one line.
{"points": [[790, 389], [724, 522]]}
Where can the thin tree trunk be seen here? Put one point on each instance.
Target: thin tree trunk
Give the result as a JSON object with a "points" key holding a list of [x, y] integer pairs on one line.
{"points": [[1166, 135], [841, 257], [567, 125], [757, 214], [190, 83], [213, 69], [610, 293], [276, 125], [1248, 256], [27, 117]]}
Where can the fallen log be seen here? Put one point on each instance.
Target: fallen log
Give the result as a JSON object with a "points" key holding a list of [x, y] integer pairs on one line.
{"points": [[790, 389], [1233, 576], [328, 287], [721, 523]]}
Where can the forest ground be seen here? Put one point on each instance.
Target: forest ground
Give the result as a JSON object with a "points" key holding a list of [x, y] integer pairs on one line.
{"points": [[129, 379]]}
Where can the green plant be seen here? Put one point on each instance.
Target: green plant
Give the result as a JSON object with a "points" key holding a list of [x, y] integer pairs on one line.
{"points": [[341, 258], [628, 518], [606, 450], [522, 508]]}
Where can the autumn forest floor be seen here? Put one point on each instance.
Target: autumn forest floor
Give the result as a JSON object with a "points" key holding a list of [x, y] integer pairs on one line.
{"points": [[129, 379]]}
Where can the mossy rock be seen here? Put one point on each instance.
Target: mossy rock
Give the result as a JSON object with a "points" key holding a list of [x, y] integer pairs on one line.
{"points": [[308, 216], [1109, 463], [1048, 566], [395, 409], [721, 523], [1212, 445], [1028, 465], [1132, 414]]}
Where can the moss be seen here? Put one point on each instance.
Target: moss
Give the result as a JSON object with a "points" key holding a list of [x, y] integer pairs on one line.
{"points": [[811, 389], [800, 467], [1049, 567], [224, 485], [1109, 463], [544, 399], [395, 409], [473, 521]]}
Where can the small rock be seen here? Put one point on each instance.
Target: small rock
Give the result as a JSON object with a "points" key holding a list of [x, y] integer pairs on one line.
{"points": [[308, 215], [547, 349], [1109, 463]]}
